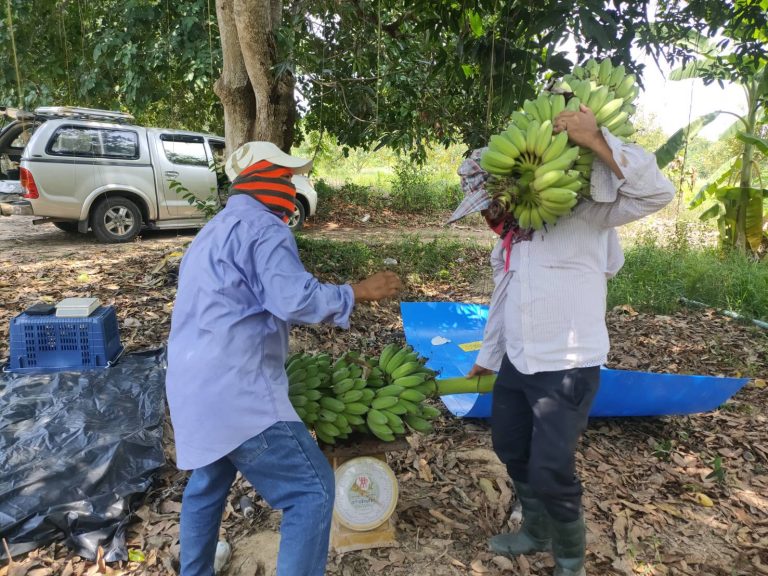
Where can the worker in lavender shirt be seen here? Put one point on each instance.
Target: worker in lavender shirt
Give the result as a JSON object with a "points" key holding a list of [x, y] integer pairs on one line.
{"points": [[241, 286]]}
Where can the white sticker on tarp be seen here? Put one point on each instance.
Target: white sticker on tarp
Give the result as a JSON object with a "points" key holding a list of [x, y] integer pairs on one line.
{"points": [[439, 341]]}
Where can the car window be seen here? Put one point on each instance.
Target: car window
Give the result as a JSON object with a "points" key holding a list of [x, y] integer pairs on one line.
{"points": [[23, 137], [94, 142], [187, 150], [217, 148]]}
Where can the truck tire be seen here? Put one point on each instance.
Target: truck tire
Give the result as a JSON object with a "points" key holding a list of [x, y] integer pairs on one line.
{"points": [[116, 219], [296, 222]]}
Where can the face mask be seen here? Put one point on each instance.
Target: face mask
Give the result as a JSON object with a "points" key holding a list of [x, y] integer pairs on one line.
{"points": [[497, 227]]}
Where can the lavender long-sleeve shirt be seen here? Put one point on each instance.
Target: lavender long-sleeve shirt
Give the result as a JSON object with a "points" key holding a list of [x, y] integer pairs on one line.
{"points": [[241, 285]]}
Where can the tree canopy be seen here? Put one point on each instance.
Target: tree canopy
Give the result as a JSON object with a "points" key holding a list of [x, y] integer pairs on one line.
{"points": [[368, 72]]}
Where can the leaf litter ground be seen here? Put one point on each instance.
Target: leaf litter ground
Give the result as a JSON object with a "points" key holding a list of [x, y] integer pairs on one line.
{"points": [[672, 495]]}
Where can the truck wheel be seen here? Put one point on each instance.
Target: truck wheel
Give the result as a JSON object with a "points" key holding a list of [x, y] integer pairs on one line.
{"points": [[116, 219], [296, 222], [68, 227]]}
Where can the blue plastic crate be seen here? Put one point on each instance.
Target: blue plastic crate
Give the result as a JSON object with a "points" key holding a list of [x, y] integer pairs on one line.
{"points": [[49, 342]]}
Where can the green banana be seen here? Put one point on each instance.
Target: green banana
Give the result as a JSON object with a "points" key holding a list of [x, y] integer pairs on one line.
{"points": [[412, 395], [376, 417], [343, 386], [397, 359], [544, 138], [327, 428], [537, 223], [386, 354], [617, 75], [597, 98], [531, 135], [562, 162], [604, 72], [547, 179], [391, 390], [555, 148], [418, 423], [351, 396], [410, 380], [382, 432], [515, 135], [520, 120], [405, 370], [502, 145], [557, 195], [532, 111], [430, 411], [544, 107], [608, 109], [384, 402], [558, 105], [355, 408], [624, 89]]}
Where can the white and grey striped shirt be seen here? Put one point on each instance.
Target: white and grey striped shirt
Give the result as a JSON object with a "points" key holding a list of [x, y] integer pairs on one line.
{"points": [[547, 312]]}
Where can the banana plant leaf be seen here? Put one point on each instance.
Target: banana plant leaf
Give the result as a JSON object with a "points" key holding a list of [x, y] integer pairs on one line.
{"points": [[713, 211], [754, 223], [668, 151], [715, 181], [759, 143]]}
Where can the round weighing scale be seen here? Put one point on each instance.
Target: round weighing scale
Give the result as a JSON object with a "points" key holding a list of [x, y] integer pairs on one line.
{"points": [[366, 493]]}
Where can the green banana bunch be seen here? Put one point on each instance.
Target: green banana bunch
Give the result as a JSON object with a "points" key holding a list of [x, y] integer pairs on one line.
{"points": [[382, 396]]}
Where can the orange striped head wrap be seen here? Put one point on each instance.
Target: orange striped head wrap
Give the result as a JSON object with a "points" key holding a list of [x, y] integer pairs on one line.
{"points": [[270, 184]]}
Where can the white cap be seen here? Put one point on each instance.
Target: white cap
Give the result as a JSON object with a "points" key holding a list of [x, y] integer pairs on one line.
{"points": [[252, 152]]}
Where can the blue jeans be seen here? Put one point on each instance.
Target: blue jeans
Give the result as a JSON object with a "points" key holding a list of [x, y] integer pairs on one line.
{"points": [[288, 470]]}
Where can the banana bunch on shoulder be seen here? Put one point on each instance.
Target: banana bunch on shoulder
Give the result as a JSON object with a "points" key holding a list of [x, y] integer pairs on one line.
{"points": [[538, 176]]}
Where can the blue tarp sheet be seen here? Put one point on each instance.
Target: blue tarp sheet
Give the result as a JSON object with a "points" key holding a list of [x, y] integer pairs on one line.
{"points": [[622, 392]]}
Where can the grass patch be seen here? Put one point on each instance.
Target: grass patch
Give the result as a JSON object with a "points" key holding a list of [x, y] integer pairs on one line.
{"points": [[654, 278], [438, 260]]}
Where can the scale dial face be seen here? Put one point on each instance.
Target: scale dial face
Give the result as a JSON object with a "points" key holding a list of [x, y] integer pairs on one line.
{"points": [[366, 493]]}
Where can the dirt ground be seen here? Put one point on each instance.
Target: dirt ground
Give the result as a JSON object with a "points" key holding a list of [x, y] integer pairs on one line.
{"points": [[681, 495]]}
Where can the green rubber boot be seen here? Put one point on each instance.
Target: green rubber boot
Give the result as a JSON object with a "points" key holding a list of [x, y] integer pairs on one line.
{"points": [[569, 547], [534, 533]]}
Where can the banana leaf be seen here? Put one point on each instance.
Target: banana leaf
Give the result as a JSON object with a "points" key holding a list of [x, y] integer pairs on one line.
{"points": [[668, 151], [692, 70], [759, 143], [714, 182], [754, 223], [713, 211]]}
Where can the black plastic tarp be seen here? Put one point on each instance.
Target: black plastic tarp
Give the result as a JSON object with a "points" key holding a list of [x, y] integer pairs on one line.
{"points": [[77, 449]]}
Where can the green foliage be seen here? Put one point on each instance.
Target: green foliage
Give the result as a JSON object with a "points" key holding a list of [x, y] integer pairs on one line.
{"points": [[156, 59], [406, 76], [414, 191], [655, 278], [741, 57], [208, 208], [437, 260]]}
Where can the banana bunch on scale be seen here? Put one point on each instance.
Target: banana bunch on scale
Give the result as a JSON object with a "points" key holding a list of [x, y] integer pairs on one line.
{"points": [[538, 176], [381, 396]]}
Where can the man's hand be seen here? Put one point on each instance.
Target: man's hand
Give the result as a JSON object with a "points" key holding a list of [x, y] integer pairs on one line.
{"points": [[479, 371], [581, 127], [377, 287], [583, 131]]}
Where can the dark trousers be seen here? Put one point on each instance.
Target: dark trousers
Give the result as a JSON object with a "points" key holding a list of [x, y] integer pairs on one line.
{"points": [[536, 421]]}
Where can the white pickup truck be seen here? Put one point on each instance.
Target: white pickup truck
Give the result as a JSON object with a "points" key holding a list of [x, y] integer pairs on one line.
{"points": [[91, 169]]}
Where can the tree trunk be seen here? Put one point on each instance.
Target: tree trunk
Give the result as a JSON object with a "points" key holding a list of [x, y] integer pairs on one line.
{"points": [[257, 106]]}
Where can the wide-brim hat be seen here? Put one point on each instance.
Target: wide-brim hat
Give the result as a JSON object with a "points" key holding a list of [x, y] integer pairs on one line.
{"points": [[252, 152]]}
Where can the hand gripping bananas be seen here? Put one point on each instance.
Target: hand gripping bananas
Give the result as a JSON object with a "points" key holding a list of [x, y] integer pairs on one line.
{"points": [[383, 396], [538, 176]]}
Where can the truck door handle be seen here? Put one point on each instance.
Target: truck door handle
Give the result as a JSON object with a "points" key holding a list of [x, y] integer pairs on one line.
{"points": [[171, 174]]}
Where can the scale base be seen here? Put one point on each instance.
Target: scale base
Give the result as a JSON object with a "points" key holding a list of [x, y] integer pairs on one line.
{"points": [[383, 536], [345, 540]]}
